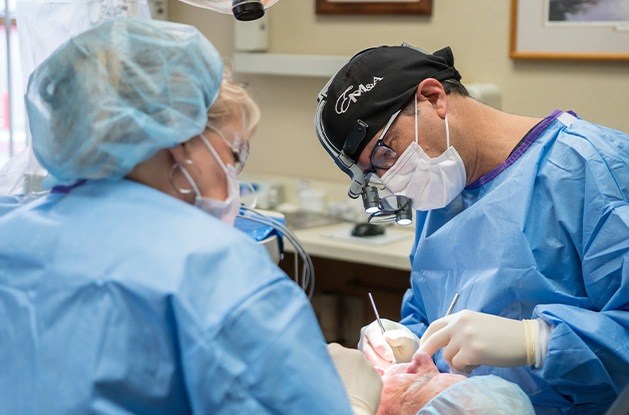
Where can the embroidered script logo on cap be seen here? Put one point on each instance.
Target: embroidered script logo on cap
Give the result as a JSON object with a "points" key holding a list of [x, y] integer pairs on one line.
{"points": [[345, 100]]}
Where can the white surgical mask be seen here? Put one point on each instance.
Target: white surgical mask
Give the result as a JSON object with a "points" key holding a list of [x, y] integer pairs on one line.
{"points": [[430, 183], [225, 210]]}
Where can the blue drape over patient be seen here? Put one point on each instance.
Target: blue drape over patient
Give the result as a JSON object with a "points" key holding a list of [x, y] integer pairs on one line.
{"points": [[547, 238]]}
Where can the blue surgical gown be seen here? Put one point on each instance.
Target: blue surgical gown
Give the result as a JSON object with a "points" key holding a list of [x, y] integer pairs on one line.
{"points": [[9, 202], [118, 299], [546, 236]]}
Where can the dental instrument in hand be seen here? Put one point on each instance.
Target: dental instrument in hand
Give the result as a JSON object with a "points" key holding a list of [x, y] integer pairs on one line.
{"points": [[375, 310], [452, 304], [448, 312]]}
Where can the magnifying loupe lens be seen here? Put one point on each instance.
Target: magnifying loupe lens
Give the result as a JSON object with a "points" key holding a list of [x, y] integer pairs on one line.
{"points": [[393, 203], [404, 216], [398, 206], [371, 199]]}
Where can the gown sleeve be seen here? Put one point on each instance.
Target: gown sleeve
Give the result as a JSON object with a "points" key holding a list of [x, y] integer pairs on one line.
{"points": [[257, 347], [588, 350], [414, 313]]}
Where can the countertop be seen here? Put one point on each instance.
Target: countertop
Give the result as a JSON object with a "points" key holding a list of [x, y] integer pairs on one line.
{"points": [[390, 250]]}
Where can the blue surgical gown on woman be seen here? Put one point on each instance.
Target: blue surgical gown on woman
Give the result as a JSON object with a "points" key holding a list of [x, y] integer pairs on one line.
{"points": [[118, 299], [545, 235]]}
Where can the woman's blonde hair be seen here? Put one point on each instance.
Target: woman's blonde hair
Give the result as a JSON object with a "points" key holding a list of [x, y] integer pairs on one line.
{"points": [[233, 100]]}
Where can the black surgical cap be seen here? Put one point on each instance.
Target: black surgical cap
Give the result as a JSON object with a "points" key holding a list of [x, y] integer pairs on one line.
{"points": [[376, 83]]}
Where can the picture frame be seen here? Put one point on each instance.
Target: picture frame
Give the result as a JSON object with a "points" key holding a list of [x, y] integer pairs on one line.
{"points": [[362, 7], [577, 30]]}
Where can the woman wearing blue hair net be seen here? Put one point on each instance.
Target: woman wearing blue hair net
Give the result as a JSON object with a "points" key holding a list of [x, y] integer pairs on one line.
{"points": [[125, 289]]}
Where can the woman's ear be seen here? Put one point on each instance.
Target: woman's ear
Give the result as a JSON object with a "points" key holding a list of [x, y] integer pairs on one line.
{"points": [[432, 90], [179, 153], [182, 155]]}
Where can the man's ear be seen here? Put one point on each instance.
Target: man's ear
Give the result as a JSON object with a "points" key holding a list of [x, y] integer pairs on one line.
{"points": [[432, 90]]}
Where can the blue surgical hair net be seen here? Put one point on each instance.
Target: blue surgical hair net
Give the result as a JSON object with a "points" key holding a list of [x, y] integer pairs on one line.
{"points": [[480, 395], [112, 96]]}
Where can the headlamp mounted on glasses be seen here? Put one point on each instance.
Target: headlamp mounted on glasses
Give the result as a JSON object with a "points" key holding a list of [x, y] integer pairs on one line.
{"points": [[391, 208], [238, 145], [364, 96]]}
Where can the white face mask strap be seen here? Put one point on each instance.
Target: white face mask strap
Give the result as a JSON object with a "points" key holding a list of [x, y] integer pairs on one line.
{"points": [[190, 180], [214, 153], [220, 133], [416, 122], [447, 132]]}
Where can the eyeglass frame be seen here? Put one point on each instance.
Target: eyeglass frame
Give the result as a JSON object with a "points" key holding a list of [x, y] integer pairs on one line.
{"points": [[239, 148], [380, 144]]}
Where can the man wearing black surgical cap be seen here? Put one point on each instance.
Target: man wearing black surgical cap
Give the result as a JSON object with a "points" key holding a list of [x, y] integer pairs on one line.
{"points": [[360, 81], [525, 220]]}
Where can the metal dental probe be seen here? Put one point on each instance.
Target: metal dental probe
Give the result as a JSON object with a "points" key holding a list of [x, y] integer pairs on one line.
{"points": [[448, 312], [375, 310]]}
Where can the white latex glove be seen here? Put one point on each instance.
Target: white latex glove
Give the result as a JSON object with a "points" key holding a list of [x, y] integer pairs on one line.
{"points": [[471, 338], [398, 343], [362, 383]]}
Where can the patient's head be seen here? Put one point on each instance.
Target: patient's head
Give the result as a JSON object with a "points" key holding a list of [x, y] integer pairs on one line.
{"points": [[407, 387], [417, 388]]}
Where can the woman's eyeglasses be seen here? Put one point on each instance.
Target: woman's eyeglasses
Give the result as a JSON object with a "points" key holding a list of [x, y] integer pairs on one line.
{"points": [[239, 147]]}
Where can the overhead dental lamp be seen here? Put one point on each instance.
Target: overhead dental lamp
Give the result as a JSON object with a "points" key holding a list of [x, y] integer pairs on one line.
{"points": [[243, 10]]}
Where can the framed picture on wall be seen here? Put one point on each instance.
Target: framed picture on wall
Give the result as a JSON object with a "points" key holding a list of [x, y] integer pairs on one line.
{"points": [[421, 7], [570, 29]]}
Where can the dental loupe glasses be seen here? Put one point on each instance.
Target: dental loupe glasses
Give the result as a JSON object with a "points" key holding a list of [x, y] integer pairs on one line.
{"points": [[390, 208]]}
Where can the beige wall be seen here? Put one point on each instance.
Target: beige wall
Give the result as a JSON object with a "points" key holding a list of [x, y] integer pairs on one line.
{"points": [[477, 31]]}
